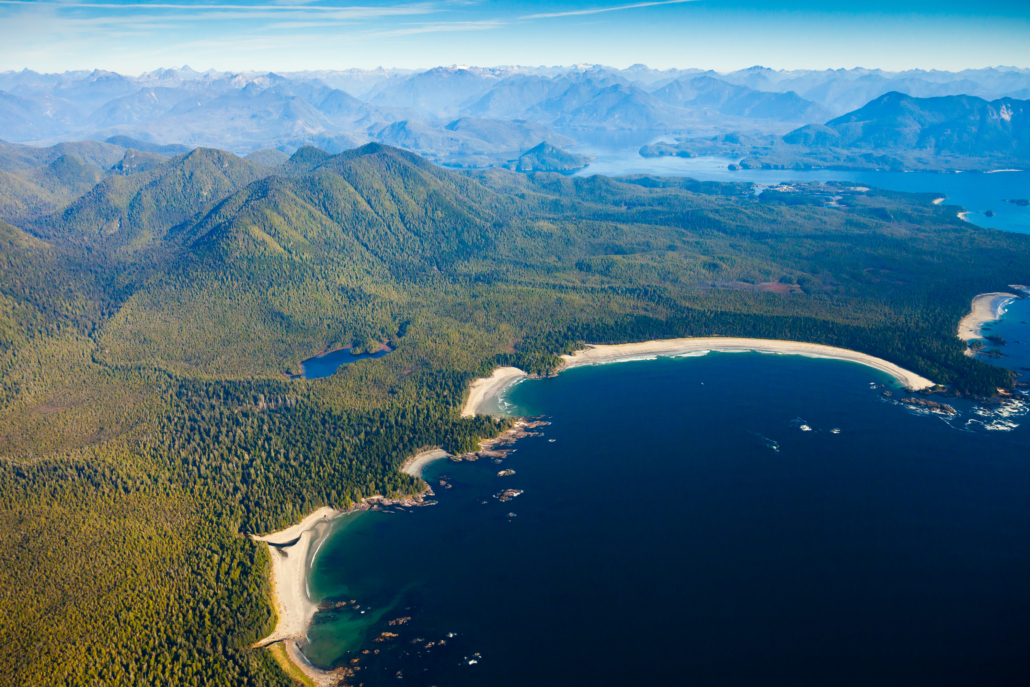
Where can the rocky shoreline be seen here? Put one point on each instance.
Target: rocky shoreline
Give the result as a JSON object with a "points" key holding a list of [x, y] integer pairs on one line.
{"points": [[494, 449]]}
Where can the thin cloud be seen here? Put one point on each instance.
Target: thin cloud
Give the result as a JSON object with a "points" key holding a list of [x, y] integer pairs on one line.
{"points": [[598, 10], [420, 8], [438, 27]]}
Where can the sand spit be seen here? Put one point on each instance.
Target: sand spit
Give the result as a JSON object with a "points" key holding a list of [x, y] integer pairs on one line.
{"points": [[987, 307], [486, 389], [414, 465], [596, 355]]}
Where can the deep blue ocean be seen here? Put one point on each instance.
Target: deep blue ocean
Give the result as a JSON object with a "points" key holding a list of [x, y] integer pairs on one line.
{"points": [[731, 519]]}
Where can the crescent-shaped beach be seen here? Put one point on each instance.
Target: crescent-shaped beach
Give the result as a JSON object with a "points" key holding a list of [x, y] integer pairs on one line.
{"points": [[987, 307], [485, 390]]}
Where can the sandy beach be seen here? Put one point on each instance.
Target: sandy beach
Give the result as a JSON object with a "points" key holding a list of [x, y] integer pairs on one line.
{"points": [[486, 389], [986, 308], [289, 551], [596, 355], [414, 465]]}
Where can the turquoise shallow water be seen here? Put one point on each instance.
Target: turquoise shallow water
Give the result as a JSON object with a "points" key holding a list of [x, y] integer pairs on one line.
{"points": [[1014, 329], [698, 520]]}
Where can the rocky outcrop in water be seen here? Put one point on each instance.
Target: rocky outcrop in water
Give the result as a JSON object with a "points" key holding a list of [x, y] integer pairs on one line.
{"points": [[926, 404]]}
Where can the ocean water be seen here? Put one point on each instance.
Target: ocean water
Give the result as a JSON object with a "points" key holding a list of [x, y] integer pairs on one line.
{"points": [[1014, 329], [978, 193], [328, 363], [729, 519]]}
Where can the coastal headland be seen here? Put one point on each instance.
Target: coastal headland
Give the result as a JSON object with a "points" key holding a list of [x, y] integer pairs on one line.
{"points": [[987, 307]]}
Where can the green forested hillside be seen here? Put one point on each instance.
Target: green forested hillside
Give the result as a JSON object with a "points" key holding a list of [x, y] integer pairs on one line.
{"points": [[147, 330]]}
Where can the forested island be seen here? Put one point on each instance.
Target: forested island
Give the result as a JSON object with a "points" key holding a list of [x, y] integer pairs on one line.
{"points": [[153, 310]]}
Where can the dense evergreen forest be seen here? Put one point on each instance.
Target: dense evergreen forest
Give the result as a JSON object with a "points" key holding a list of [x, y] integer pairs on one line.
{"points": [[152, 312]]}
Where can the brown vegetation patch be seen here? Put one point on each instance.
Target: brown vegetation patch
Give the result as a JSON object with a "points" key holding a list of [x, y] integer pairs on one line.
{"points": [[777, 287]]}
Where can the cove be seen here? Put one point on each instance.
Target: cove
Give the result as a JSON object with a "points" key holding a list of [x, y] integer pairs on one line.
{"points": [[1014, 329], [733, 518]]}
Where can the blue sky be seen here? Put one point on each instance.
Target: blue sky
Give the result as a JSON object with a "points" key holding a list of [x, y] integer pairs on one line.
{"points": [[131, 37]]}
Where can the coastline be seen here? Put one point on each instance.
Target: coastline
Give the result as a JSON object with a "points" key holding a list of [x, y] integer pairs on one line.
{"points": [[413, 466], [601, 354], [486, 389], [289, 550], [987, 307]]}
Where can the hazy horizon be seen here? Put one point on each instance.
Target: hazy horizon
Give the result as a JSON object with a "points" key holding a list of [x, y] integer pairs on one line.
{"points": [[500, 67], [297, 35]]}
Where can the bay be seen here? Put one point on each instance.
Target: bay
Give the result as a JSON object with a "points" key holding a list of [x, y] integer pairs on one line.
{"points": [[976, 192], [1014, 329], [700, 520]]}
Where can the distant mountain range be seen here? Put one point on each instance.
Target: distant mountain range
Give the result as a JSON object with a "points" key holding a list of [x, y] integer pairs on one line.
{"points": [[955, 125], [454, 115], [893, 131]]}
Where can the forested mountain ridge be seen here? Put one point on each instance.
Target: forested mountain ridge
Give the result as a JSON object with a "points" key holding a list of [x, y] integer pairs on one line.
{"points": [[169, 111], [962, 125], [139, 207], [145, 411], [895, 131]]}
